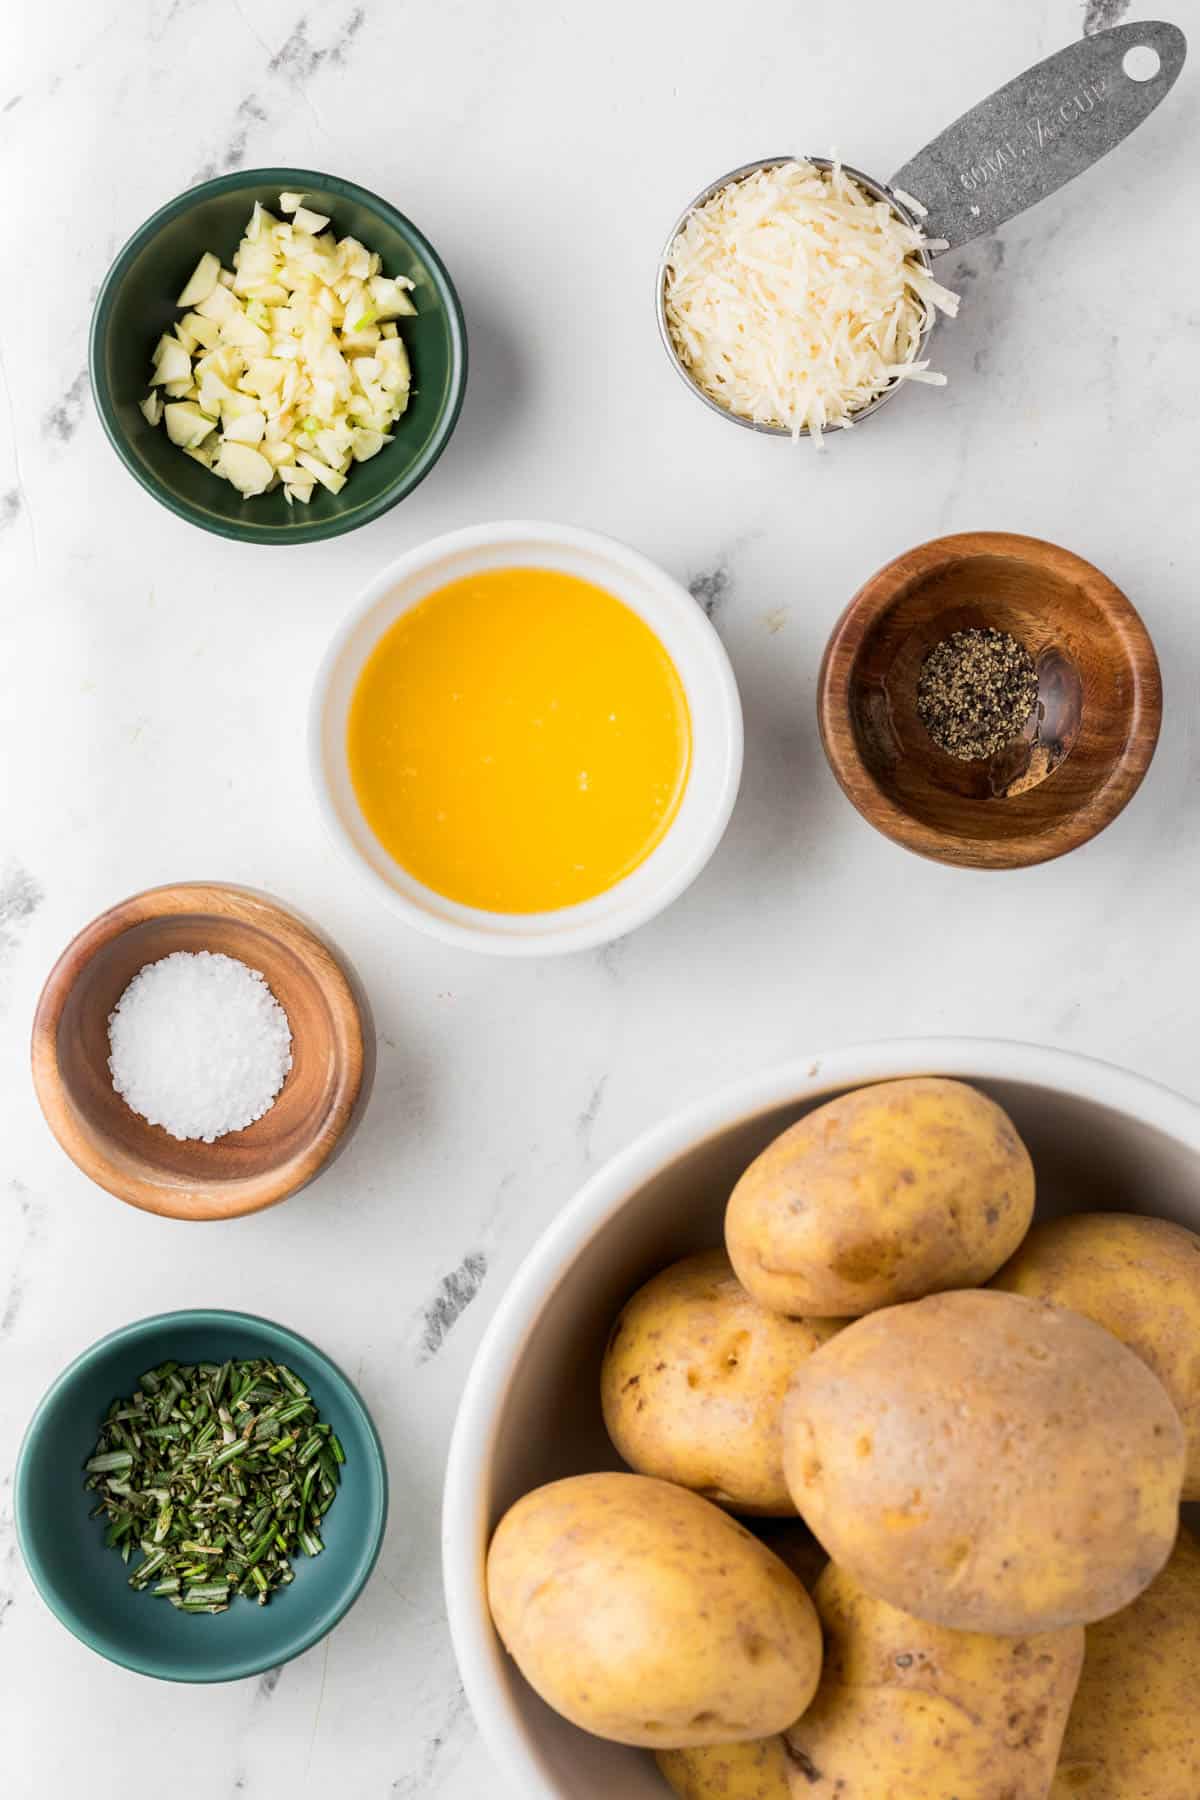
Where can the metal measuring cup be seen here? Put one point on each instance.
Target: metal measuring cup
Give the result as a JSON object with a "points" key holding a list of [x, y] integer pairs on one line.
{"points": [[1027, 140]]}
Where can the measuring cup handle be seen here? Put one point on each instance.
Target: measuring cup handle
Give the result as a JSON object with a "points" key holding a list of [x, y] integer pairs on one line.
{"points": [[1040, 131]]}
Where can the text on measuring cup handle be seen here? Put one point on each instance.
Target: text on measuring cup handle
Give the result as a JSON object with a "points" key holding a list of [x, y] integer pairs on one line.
{"points": [[1036, 135]]}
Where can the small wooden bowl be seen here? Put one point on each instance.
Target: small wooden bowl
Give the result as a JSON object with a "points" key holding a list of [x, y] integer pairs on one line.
{"points": [[1088, 742], [321, 1099]]}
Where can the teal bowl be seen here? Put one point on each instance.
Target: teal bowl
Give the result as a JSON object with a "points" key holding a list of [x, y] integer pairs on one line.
{"points": [[85, 1584], [136, 305]]}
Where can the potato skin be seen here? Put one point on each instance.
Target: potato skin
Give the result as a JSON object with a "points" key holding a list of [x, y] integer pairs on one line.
{"points": [[905, 1711], [758, 1771], [647, 1615], [890, 1193], [906, 1708], [1140, 1279], [694, 1379], [986, 1462], [1134, 1730]]}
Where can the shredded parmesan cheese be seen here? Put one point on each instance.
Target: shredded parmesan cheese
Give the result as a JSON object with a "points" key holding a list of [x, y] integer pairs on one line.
{"points": [[914, 206], [794, 298]]}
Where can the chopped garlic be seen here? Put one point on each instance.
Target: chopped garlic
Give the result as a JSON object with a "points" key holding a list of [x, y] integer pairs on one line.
{"points": [[204, 279], [313, 223], [186, 424], [249, 471], [795, 298], [171, 362], [287, 368]]}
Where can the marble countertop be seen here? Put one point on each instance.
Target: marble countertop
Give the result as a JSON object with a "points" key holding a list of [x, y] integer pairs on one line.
{"points": [[153, 685]]}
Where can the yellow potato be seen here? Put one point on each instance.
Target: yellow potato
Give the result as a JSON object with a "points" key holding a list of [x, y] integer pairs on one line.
{"points": [[986, 1462], [908, 1709], [758, 1771], [905, 1711], [645, 1614], [1140, 1279], [888, 1194], [1134, 1730], [693, 1381]]}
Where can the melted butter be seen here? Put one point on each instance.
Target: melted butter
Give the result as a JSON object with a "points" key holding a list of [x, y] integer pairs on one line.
{"points": [[519, 741]]}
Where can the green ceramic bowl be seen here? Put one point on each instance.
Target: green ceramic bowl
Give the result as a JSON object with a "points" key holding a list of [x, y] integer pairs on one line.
{"points": [[86, 1585], [137, 304]]}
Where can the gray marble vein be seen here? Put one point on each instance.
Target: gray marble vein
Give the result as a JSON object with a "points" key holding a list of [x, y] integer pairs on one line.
{"points": [[609, 957], [65, 417], [299, 58], [1099, 15], [20, 896], [8, 1553], [248, 116], [585, 1123], [32, 1216], [711, 589], [421, 1779], [453, 1295]]}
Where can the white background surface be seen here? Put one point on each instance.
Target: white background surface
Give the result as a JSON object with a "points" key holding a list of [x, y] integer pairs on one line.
{"points": [[154, 685]]}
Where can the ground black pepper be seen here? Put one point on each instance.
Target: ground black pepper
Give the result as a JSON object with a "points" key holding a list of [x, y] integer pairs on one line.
{"points": [[975, 692]]}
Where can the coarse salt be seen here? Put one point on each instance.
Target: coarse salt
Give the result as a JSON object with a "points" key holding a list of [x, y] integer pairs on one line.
{"points": [[199, 1044]]}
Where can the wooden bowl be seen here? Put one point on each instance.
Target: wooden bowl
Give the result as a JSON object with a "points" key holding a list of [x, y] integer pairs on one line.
{"points": [[321, 1099], [1088, 742]]}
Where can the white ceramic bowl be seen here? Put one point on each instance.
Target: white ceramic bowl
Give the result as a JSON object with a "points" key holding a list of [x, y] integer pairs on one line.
{"points": [[530, 1412], [704, 670]]}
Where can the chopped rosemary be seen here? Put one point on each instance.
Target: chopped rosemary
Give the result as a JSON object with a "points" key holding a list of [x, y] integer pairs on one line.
{"points": [[219, 1474]]}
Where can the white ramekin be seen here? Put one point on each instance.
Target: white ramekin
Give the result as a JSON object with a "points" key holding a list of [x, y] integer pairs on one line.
{"points": [[530, 1412], [704, 669]]}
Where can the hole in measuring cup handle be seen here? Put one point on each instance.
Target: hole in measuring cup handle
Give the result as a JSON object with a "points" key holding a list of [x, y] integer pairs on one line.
{"points": [[1141, 62]]}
